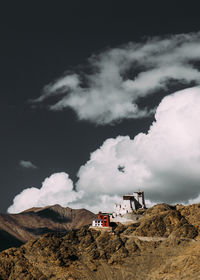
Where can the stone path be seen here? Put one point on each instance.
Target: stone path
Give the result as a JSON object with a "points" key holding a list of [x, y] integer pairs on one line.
{"points": [[145, 238]]}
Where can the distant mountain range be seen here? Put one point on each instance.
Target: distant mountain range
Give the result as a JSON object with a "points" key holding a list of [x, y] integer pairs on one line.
{"points": [[16, 229]]}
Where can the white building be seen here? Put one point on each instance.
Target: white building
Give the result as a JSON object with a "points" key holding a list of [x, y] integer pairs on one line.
{"points": [[97, 223], [129, 204]]}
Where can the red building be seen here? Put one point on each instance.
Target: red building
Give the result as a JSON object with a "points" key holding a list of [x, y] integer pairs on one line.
{"points": [[103, 220]]}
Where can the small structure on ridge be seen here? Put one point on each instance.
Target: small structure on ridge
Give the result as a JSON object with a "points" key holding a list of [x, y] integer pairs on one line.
{"points": [[124, 213], [103, 220], [130, 203]]}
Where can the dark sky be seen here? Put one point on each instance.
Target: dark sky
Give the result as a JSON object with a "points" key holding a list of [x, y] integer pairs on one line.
{"points": [[39, 42]]}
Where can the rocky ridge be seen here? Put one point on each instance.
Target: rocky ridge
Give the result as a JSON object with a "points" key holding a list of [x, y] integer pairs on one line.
{"points": [[16, 229], [164, 244]]}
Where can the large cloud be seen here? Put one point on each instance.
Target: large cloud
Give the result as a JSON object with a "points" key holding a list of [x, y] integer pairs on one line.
{"points": [[119, 77], [165, 163]]}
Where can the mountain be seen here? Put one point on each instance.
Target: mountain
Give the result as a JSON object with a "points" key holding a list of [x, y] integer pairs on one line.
{"points": [[163, 244], [16, 229]]}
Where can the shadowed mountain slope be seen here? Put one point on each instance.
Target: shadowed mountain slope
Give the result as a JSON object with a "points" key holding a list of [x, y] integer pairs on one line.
{"points": [[16, 229]]}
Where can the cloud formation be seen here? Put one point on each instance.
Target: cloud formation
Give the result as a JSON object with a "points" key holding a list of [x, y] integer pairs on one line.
{"points": [[56, 189], [165, 163], [119, 77], [27, 164]]}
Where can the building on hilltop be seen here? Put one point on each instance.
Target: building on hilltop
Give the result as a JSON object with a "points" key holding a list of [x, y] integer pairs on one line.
{"points": [[123, 213], [103, 220], [130, 203], [126, 212]]}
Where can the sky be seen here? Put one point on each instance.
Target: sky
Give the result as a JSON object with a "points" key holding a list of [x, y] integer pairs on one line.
{"points": [[98, 99]]}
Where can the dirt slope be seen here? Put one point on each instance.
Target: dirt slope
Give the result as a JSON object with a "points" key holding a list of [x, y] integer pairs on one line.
{"points": [[163, 245], [16, 229]]}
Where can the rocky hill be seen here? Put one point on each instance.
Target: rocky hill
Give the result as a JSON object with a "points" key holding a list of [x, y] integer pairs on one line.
{"points": [[163, 245], [16, 229]]}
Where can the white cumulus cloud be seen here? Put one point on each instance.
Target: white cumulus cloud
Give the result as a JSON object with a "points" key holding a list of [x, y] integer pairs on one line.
{"points": [[165, 162], [119, 77], [56, 189]]}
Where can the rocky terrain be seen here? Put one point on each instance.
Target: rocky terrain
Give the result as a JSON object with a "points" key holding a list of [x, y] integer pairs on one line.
{"points": [[16, 229], [164, 244]]}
